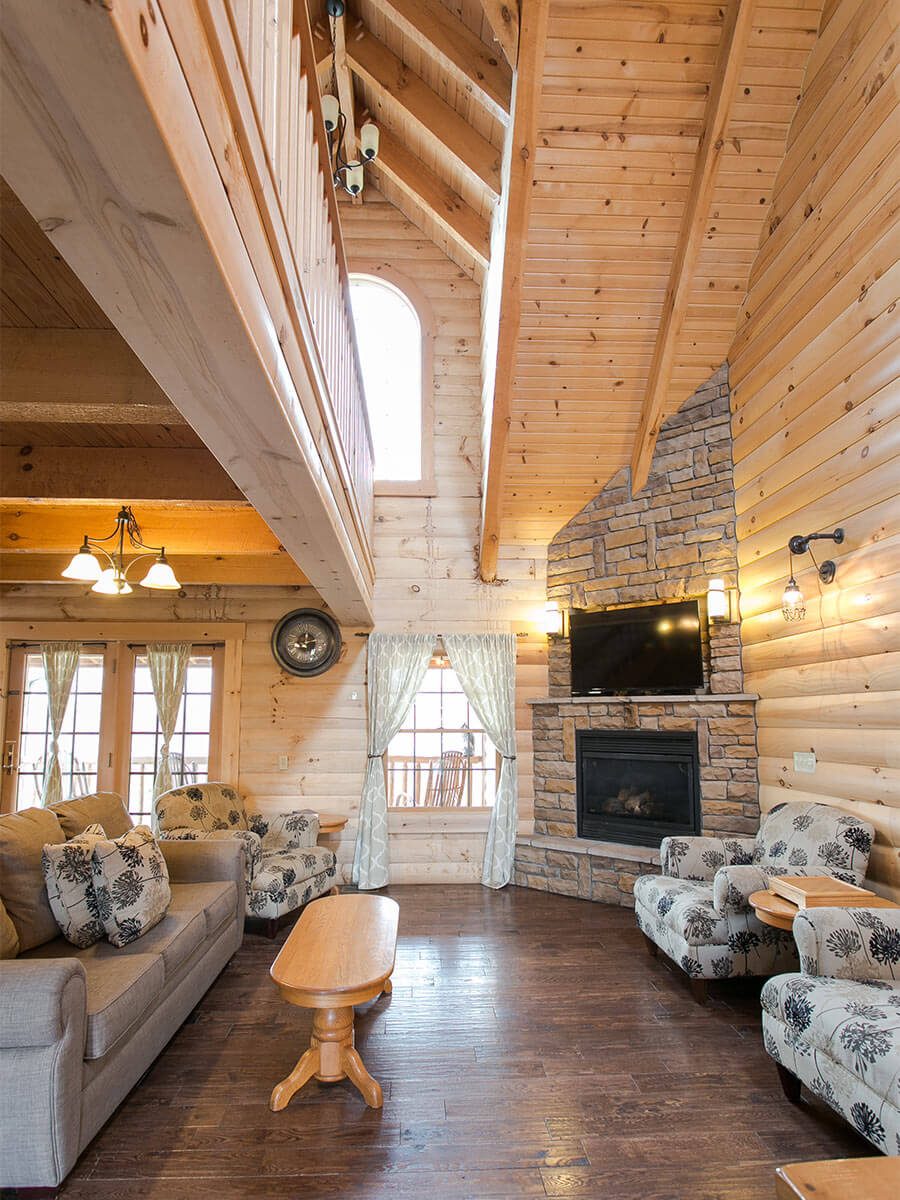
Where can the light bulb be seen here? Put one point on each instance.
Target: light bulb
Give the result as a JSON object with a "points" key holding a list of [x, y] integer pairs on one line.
{"points": [[161, 576], [112, 583], [552, 619], [716, 601], [83, 567], [792, 606], [368, 141], [331, 113], [355, 178]]}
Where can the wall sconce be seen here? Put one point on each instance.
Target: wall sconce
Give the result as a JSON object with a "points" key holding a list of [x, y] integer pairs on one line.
{"points": [[554, 620], [718, 602], [792, 605]]}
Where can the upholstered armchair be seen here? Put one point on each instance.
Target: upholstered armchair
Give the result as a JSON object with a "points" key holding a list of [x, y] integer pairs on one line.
{"points": [[284, 868], [835, 1027], [698, 910]]}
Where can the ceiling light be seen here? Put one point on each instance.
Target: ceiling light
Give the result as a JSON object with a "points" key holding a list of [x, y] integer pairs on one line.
{"points": [[161, 576], [112, 580], [83, 567], [347, 172]]}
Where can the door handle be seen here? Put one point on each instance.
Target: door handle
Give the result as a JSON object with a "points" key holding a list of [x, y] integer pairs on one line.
{"points": [[9, 758]]}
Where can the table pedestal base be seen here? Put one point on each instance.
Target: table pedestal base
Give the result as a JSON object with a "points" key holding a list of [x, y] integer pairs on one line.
{"points": [[331, 1056]]}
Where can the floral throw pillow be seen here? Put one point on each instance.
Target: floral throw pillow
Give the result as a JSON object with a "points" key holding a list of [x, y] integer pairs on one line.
{"points": [[70, 886], [131, 884]]}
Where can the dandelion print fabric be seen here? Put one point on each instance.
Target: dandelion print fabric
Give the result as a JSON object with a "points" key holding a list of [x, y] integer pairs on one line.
{"points": [[131, 885], [70, 887]]}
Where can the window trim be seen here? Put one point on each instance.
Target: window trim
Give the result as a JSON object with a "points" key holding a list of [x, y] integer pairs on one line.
{"points": [[381, 272]]}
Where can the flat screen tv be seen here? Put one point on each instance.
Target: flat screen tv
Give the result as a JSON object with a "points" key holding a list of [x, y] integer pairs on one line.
{"points": [[651, 649]]}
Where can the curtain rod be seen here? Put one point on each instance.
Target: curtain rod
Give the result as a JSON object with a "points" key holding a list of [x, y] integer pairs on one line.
{"points": [[113, 641], [438, 635]]}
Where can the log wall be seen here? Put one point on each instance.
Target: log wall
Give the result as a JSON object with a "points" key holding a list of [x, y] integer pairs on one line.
{"points": [[816, 432]]}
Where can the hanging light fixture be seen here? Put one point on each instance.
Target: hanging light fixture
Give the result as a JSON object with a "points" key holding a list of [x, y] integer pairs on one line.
{"points": [[112, 579], [793, 607], [346, 173]]}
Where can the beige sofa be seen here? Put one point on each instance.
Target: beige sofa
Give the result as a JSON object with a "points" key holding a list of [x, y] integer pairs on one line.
{"points": [[78, 1028]]}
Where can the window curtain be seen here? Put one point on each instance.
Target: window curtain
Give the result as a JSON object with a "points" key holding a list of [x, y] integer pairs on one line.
{"points": [[60, 665], [396, 668], [485, 664], [168, 664]]}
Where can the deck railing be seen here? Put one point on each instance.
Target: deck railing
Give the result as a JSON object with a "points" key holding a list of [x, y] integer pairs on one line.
{"points": [[278, 62]]}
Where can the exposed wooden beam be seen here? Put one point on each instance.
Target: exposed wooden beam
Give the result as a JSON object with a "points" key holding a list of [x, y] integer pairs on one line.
{"points": [[503, 18], [79, 375], [503, 304], [251, 569], [735, 32], [469, 230], [441, 34], [141, 473], [395, 86]]}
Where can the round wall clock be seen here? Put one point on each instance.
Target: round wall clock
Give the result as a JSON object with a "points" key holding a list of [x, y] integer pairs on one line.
{"points": [[306, 642]]}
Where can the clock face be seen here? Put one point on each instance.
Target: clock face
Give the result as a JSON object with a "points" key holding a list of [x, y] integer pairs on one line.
{"points": [[306, 642]]}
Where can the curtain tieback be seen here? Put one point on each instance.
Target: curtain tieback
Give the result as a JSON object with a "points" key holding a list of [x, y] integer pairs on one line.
{"points": [[375, 755], [509, 757]]}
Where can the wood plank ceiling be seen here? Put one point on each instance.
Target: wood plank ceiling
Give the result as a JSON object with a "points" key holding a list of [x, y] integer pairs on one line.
{"points": [[73, 388]]}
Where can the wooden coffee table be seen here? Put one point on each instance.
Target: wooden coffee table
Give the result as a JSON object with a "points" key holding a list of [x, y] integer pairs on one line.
{"points": [[875, 1178], [340, 953]]}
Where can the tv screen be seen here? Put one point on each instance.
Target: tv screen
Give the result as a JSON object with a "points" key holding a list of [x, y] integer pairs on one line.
{"points": [[652, 649]]}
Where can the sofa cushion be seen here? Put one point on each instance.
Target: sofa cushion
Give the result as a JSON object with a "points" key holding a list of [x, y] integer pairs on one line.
{"points": [[100, 808], [217, 901], [23, 836], [131, 883], [207, 806], [174, 938], [70, 886], [813, 839], [9, 939]]}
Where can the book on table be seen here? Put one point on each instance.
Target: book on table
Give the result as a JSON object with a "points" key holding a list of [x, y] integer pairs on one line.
{"points": [[820, 891]]}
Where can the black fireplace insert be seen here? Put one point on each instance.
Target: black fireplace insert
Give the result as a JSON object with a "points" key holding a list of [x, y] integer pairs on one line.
{"points": [[637, 786]]}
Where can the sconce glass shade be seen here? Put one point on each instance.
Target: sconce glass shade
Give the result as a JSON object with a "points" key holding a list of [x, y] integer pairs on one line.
{"points": [[161, 576], [553, 619], [368, 141], [84, 567], [717, 606], [331, 112], [355, 179], [792, 606], [112, 583]]}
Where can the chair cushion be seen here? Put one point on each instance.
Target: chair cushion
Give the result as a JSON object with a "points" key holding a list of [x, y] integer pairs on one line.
{"points": [[856, 1023], [23, 836], [99, 808], [814, 839], [70, 886], [285, 879], [686, 907], [131, 884], [206, 806]]}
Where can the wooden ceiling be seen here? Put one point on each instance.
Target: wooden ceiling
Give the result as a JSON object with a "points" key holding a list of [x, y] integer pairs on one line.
{"points": [[71, 388]]}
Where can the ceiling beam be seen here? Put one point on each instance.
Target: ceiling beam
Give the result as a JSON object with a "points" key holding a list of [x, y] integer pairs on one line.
{"points": [[503, 315], [428, 191], [503, 18], [440, 33], [251, 569], [735, 32], [394, 86], [79, 375], [138, 472]]}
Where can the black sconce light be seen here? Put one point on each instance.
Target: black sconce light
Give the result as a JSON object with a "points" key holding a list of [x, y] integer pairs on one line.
{"points": [[792, 605]]}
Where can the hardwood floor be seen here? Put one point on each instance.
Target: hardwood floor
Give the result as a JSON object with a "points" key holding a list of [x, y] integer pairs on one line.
{"points": [[531, 1047]]}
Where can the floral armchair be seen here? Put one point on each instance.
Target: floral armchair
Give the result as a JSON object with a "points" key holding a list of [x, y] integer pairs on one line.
{"points": [[284, 868], [836, 1026], [698, 910]]}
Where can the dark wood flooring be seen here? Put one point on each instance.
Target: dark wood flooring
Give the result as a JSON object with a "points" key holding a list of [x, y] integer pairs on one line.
{"points": [[531, 1047]]}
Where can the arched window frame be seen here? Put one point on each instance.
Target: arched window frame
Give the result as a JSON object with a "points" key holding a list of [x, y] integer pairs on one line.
{"points": [[383, 273]]}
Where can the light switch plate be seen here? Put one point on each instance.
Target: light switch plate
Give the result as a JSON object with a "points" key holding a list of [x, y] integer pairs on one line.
{"points": [[804, 761], [282, 762]]}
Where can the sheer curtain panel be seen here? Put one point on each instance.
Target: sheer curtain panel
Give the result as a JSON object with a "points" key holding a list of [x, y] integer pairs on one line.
{"points": [[485, 664], [396, 666], [60, 665], [168, 663]]}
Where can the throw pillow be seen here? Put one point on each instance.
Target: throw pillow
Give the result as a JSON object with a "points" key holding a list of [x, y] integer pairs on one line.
{"points": [[131, 884], [9, 938], [70, 887]]}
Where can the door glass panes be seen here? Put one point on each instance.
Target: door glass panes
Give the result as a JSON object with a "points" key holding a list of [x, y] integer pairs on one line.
{"points": [[79, 743], [441, 757], [189, 748]]}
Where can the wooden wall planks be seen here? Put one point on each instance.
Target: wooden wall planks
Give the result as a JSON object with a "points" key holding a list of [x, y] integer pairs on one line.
{"points": [[814, 369]]}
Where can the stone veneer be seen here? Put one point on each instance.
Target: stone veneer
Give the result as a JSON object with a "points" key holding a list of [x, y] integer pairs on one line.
{"points": [[664, 544]]}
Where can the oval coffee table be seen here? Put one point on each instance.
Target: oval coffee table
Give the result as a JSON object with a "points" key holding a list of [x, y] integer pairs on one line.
{"points": [[340, 953]]}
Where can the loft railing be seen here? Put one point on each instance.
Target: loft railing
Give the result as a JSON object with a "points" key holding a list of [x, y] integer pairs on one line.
{"points": [[276, 62]]}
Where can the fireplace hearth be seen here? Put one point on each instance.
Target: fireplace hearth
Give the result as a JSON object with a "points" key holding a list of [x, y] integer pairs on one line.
{"points": [[636, 787]]}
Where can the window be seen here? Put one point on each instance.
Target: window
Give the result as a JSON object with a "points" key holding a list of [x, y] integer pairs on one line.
{"points": [[441, 758], [110, 738], [390, 339]]}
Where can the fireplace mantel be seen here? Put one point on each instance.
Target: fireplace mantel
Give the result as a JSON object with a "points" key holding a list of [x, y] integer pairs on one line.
{"points": [[702, 698]]}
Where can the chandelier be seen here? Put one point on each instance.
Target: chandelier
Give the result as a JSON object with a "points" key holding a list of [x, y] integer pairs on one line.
{"points": [[346, 173], [112, 580]]}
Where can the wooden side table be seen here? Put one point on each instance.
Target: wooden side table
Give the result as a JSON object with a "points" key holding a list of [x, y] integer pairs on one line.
{"points": [[836, 1179], [331, 822], [776, 910]]}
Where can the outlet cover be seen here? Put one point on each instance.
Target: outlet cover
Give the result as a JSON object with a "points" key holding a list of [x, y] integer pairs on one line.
{"points": [[804, 761]]}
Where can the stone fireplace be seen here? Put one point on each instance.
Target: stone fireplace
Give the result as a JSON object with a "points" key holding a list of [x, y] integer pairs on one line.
{"points": [[663, 544]]}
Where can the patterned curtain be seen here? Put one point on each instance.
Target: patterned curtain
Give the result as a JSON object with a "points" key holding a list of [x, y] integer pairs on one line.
{"points": [[397, 666], [168, 663], [485, 664], [60, 665]]}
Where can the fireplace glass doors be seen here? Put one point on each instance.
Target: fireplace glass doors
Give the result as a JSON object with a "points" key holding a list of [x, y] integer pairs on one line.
{"points": [[637, 787]]}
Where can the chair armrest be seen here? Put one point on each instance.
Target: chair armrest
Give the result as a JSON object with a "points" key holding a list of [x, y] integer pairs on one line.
{"points": [[298, 830], [39, 997], [700, 857], [849, 943], [205, 859], [733, 886]]}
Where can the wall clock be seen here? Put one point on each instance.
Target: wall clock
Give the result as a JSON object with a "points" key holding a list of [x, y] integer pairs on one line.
{"points": [[306, 642]]}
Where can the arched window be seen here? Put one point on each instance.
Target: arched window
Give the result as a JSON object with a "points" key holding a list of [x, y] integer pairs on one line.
{"points": [[391, 350]]}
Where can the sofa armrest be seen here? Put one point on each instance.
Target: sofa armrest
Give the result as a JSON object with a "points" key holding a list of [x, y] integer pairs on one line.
{"points": [[849, 943], [297, 830], [38, 997], [700, 857], [733, 886], [205, 861]]}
